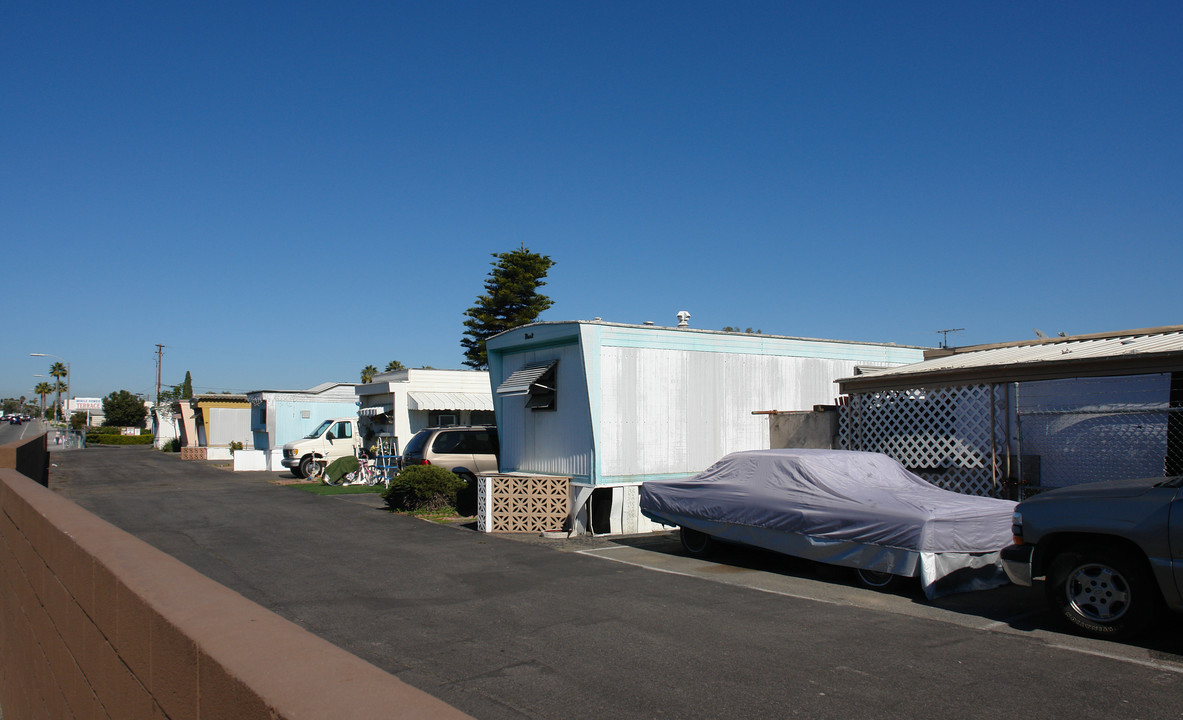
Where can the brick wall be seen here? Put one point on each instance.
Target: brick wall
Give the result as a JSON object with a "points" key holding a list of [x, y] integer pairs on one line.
{"points": [[95, 623]]}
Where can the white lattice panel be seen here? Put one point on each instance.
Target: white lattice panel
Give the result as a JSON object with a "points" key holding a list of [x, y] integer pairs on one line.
{"points": [[943, 434]]}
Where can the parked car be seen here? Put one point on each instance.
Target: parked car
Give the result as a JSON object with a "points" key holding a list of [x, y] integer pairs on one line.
{"points": [[332, 439], [856, 509], [1111, 552], [466, 450]]}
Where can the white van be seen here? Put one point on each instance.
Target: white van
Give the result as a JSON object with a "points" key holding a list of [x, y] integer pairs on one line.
{"points": [[334, 438]]}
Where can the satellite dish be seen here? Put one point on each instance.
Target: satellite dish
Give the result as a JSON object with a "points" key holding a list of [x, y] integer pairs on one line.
{"points": [[1040, 334]]}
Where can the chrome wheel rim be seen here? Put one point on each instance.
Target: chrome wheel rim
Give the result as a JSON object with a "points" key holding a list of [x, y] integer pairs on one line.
{"points": [[874, 578], [1098, 592]]}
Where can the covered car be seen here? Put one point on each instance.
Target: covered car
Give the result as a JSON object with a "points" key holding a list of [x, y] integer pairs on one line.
{"points": [[857, 509]]}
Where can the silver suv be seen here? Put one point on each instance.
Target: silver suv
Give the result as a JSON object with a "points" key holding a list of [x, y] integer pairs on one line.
{"points": [[467, 450]]}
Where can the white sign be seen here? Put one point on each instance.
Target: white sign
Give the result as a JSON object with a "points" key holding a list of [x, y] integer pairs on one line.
{"points": [[88, 403]]}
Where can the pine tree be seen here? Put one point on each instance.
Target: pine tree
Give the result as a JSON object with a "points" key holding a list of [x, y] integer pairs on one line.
{"points": [[187, 387], [511, 299]]}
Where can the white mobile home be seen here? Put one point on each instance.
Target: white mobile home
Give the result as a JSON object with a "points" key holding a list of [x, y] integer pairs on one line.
{"points": [[612, 405], [403, 402]]}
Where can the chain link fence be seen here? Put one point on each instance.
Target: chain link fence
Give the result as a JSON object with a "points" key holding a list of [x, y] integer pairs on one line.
{"points": [[1091, 429]]}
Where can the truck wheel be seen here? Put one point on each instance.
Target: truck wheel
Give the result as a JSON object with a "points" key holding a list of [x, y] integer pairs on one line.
{"points": [[695, 543], [1104, 592], [306, 464]]}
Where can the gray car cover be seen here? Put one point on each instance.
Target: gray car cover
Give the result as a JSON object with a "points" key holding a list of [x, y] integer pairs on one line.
{"points": [[830, 498]]}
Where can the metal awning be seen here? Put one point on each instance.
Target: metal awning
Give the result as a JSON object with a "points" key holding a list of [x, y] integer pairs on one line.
{"points": [[520, 381], [372, 411], [449, 401]]}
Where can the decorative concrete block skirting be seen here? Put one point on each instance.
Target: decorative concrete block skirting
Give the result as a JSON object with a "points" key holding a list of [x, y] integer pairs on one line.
{"points": [[521, 503], [95, 623], [193, 453]]}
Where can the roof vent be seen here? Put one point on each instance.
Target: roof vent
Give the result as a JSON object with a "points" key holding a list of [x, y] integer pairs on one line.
{"points": [[650, 322], [683, 319]]}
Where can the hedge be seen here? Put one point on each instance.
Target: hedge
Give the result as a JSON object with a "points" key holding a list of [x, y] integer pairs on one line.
{"points": [[112, 439]]}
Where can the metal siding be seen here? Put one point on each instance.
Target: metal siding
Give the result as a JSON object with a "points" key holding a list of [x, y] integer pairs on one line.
{"points": [[227, 425], [290, 426], [678, 411], [548, 442]]}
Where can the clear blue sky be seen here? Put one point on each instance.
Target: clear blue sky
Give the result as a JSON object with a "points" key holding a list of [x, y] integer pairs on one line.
{"points": [[284, 192]]}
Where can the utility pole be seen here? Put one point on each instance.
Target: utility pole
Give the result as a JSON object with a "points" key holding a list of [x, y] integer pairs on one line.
{"points": [[159, 357]]}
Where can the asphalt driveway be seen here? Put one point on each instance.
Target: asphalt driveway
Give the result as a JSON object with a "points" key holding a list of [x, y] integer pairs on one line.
{"points": [[628, 628]]}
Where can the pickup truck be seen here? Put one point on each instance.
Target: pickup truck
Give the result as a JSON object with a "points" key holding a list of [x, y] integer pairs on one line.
{"points": [[332, 439], [1111, 552]]}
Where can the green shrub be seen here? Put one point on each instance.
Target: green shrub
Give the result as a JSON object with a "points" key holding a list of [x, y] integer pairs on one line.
{"points": [[111, 439], [423, 487], [172, 446]]}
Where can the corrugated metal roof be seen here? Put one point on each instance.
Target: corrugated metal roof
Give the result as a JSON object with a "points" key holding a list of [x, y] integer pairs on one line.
{"points": [[450, 401], [520, 381], [1133, 346]]}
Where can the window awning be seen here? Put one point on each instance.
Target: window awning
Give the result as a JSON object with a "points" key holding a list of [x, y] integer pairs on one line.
{"points": [[449, 401], [520, 381], [372, 411]]}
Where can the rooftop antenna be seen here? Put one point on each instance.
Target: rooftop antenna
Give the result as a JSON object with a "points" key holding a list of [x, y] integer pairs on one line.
{"points": [[945, 336]]}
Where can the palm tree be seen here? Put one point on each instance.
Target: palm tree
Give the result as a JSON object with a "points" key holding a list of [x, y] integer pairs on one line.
{"points": [[58, 370], [394, 365], [58, 387], [43, 389], [368, 373]]}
